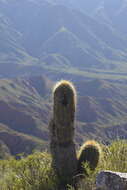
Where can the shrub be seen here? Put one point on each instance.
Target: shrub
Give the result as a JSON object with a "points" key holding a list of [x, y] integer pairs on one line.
{"points": [[33, 172]]}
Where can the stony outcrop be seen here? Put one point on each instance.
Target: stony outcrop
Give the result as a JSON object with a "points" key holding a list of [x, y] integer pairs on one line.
{"points": [[108, 180]]}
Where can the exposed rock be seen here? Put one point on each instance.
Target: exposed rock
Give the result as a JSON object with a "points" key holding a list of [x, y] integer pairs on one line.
{"points": [[108, 180]]}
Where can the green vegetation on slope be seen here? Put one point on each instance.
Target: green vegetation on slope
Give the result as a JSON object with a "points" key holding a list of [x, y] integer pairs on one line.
{"points": [[35, 172]]}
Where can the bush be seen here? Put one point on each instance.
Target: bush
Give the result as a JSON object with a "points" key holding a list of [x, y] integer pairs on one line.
{"points": [[115, 156], [33, 172]]}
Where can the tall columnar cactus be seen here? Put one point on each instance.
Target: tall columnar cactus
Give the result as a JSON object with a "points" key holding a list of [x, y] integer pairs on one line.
{"points": [[64, 159], [62, 131], [89, 152]]}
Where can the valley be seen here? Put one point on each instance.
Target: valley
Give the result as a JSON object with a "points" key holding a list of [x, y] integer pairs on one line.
{"points": [[26, 109], [44, 41]]}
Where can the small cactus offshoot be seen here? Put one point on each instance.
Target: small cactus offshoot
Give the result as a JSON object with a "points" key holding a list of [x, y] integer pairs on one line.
{"points": [[89, 153]]}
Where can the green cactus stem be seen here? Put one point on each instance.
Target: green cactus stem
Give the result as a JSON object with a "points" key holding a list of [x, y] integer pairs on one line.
{"points": [[62, 128]]}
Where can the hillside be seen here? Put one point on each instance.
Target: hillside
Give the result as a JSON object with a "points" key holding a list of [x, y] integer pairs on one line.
{"points": [[75, 53], [42, 42], [25, 113], [111, 12], [15, 143], [69, 40], [26, 109], [102, 110], [12, 53], [27, 40]]}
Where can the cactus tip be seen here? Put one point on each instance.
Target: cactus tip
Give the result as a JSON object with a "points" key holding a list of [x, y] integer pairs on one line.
{"points": [[64, 84], [66, 90], [90, 143]]}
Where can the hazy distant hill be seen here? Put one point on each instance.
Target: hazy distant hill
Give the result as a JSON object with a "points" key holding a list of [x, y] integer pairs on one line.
{"points": [[12, 53], [113, 11], [38, 29]]}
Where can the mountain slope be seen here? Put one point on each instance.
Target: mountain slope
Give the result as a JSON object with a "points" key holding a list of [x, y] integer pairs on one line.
{"points": [[68, 45], [25, 113], [76, 40], [14, 143], [26, 109], [12, 54], [102, 108], [90, 43]]}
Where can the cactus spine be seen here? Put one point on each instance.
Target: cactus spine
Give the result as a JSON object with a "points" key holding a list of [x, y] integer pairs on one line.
{"points": [[89, 152], [62, 131]]}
